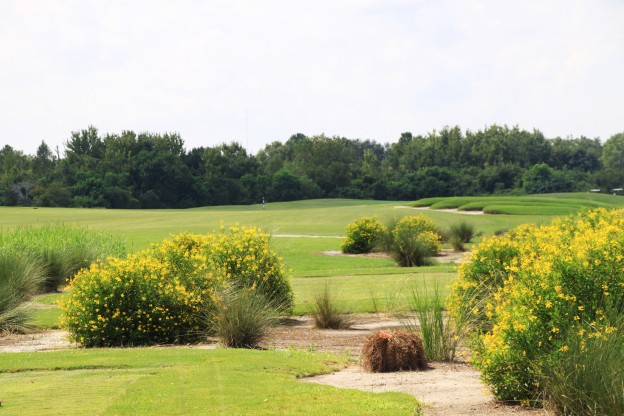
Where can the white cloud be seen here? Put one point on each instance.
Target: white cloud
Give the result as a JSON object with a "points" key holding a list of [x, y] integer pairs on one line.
{"points": [[260, 71]]}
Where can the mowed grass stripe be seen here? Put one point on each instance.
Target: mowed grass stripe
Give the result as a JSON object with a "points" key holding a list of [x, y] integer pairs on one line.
{"points": [[176, 381], [546, 204], [370, 293]]}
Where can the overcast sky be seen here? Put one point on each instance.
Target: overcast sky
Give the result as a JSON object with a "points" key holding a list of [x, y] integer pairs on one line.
{"points": [[259, 71]]}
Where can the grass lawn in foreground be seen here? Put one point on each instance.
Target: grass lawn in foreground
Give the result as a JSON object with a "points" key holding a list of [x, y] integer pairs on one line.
{"points": [[182, 381]]}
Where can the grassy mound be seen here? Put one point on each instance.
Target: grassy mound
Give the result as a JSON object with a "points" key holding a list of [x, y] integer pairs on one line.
{"points": [[546, 204]]}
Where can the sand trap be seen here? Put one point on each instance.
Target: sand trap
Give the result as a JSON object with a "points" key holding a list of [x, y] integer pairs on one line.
{"points": [[453, 210]]}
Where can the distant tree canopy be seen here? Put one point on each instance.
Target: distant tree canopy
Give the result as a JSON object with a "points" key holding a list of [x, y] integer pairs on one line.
{"points": [[149, 170]]}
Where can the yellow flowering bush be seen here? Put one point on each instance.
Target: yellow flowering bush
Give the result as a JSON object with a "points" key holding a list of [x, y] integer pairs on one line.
{"points": [[414, 239], [165, 294], [531, 290], [363, 235]]}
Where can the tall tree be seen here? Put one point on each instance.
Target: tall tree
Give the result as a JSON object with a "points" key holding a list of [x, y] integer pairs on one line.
{"points": [[613, 152]]}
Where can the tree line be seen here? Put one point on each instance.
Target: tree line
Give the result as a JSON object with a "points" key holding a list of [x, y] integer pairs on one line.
{"points": [[148, 170]]}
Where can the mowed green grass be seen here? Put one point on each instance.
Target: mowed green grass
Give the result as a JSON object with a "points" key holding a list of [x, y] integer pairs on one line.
{"points": [[140, 228], [182, 381], [546, 204], [372, 293]]}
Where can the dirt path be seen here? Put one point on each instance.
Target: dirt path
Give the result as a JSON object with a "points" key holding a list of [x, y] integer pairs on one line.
{"points": [[444, 390], [40, 341]]}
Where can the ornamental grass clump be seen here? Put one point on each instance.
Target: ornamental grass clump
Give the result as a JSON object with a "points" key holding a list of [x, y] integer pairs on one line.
{"points": [[388, 351], [363, 235], [170, 292], [440, 332], [327, 314], [243, 317], [61, 250], [459, 234], [533, 291], [589, 379], [20, 279]]}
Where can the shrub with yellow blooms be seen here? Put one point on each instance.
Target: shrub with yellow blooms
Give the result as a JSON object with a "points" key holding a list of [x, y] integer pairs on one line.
{"points": [[167, 293], [531, 290], [363, 235], [414, 240]]}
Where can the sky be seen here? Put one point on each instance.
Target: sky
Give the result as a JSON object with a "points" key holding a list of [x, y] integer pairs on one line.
{"points": [[255, 72]]}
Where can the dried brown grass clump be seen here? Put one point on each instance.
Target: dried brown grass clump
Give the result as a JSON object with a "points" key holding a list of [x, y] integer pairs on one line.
{"points": [[393, 351]]}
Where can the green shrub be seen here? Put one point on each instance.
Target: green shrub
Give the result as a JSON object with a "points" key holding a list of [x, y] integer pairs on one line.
{"points": [[533, 289], [326, 312], [460, 233], [62, 250], [243, 317], [363, 235], [414, 240], [20, 278], [166, 294]]}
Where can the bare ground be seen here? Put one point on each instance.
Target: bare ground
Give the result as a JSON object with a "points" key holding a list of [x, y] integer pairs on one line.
{"points": [[445, 389], [446, 255], [38, 341]]}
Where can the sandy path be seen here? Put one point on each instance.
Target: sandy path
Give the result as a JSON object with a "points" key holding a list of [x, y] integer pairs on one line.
{"points": [[444, 390], [40, 341]]}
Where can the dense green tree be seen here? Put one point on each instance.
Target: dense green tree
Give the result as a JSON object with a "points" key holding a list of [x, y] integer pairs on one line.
{"points": [[148, 170], [580, 154], [613, 152], [500, 178], [541, 179], [43, 164], [15, 177], [159, 176], [224, 166]]}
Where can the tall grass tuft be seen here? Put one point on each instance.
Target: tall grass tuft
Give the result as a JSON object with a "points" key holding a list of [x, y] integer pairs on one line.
{"points": [[459, 234], [326, 312], [244, 317], [61, 250], [20, 278], [440, 333], [588, 378]]}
